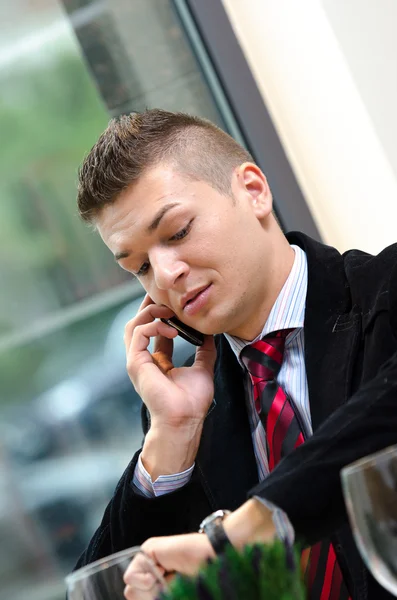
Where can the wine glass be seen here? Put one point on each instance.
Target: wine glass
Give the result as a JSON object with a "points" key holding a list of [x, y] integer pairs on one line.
{"points": [[103, 579], [370, 491]]}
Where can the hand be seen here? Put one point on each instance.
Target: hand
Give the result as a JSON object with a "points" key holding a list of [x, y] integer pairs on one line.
{"points": [[178, 399], [185, 554], [180, 553], [172, 395]]}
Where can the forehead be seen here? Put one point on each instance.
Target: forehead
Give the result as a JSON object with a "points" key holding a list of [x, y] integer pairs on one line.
{"points": [[137, 205]]}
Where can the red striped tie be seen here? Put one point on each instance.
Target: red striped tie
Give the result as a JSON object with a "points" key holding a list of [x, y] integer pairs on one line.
{"points": [[284, 433]]}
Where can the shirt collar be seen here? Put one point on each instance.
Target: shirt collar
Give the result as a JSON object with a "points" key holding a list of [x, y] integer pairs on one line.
{"points": [[288, 311]]}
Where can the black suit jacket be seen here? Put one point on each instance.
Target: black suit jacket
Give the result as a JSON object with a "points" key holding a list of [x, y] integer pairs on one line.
{"points": [[351, 362]]}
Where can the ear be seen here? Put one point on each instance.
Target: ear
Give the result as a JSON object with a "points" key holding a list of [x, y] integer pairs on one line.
{"points": [[251, 185]]}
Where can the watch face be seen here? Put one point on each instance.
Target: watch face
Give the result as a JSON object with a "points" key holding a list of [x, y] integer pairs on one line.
{"points": [[218, 514]]}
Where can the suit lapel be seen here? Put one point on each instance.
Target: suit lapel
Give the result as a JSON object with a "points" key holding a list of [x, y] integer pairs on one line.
{"points": [[332, 329], [226, 461]]}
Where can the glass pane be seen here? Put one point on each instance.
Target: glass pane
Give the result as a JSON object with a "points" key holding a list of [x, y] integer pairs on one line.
{"points": [[139, 57], [69, 417]]}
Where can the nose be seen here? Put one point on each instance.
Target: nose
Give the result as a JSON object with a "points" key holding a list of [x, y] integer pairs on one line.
{"points": [[167, 268]]}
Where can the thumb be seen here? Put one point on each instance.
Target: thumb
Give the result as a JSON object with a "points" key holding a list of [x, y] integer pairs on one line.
{"points": [[206, 354]]}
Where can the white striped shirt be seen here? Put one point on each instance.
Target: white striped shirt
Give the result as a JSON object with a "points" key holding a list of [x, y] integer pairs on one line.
{"points": [[287, 313]]}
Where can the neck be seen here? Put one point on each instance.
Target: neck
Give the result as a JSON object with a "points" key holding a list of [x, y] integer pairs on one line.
{"points": [[267, 294]]}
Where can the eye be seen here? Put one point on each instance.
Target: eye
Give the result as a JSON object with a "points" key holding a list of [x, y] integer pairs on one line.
{"points": [[143, 270], [182, 233]]}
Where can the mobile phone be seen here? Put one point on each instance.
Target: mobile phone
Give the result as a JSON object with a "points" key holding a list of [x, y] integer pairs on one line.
{"points": [[187, 333]]}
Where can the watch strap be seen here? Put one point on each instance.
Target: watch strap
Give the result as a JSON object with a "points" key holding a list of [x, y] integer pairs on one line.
{"points": [[212, 526]]}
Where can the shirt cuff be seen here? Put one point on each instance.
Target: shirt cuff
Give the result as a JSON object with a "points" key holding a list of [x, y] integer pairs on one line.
{"points": [[283, 526], [164, 484]]}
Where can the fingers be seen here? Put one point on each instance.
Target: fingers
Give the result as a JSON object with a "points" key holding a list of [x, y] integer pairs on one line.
{"points": [[143, 333], [138, 333], [206, 354], [146, 314], [145, 302], [138, 354], [131, 592], [143, 579], [141, 582], [147, 325], [164, 346]]}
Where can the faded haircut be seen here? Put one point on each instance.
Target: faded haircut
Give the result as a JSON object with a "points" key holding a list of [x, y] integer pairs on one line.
{"points": [[133, 143]]}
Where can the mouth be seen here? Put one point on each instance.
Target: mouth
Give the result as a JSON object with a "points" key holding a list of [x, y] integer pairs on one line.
{"points": [[194, 300], [191, 296]]}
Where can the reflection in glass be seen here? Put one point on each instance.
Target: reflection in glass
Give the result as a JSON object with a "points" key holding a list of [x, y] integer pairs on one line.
{"points": [[370, 488]]}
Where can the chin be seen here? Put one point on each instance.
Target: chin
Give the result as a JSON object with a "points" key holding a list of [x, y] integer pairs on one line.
{"points": [[213, 327]]}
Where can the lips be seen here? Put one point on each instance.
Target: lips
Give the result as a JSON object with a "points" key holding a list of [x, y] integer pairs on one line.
{"points": [[196, 300], [190, 296]]}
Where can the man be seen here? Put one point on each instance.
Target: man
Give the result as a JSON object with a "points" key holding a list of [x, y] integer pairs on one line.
{"points": [[185, 209]]}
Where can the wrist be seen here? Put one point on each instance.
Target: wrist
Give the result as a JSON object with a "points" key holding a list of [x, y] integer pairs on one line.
{"points": [[167, 451], [212, 526], [251, 523]]}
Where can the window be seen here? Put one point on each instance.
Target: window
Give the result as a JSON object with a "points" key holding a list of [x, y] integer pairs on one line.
{"points": [[69, 417]]}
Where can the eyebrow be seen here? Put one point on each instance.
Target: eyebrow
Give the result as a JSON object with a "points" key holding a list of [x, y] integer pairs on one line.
{"points": [[157, 219], [119, 255], [152, 227]]}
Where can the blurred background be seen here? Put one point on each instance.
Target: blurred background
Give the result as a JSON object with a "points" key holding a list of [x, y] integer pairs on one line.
{"points": [[69, 417]]}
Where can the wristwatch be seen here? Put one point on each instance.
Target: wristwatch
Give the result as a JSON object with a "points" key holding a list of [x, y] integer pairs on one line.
{"points": [[212, 526]]}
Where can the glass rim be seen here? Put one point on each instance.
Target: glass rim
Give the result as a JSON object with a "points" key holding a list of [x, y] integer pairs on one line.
{"points": [[367, 460], [91, 568]]}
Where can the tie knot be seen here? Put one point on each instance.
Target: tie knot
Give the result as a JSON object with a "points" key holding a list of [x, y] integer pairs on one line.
{"points": [[263, 358]]}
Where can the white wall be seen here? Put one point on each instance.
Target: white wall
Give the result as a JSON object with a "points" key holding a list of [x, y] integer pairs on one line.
{"points": [[366, 32], [338, 133]]}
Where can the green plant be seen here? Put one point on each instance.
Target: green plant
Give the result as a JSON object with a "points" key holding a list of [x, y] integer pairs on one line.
{"points": [[259, 572]]}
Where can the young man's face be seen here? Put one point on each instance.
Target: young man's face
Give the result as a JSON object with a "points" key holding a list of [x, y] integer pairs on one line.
{"points": [[193, 249]]}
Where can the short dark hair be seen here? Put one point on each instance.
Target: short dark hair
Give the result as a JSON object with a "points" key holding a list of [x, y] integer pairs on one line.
{"points": [[133, 143]]}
